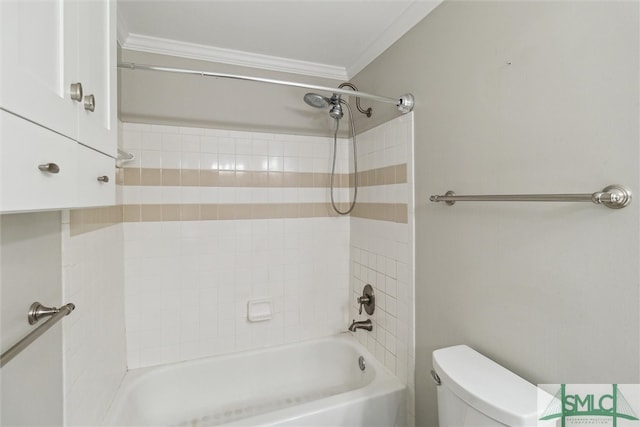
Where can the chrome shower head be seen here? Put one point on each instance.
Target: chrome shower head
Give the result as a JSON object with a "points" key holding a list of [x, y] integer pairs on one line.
{"points": [[317, 101]]}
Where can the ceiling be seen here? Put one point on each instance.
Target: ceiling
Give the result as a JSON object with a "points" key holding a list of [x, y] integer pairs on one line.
{"points": [[323, 38]]}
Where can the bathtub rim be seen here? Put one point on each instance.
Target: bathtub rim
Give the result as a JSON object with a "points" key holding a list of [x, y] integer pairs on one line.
{"points": [[383, 382]]}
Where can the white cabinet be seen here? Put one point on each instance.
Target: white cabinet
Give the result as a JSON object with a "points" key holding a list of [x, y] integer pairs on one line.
{"points": [[96, 179], [46, 170], [48, 46], [39, 61], [58, 80], [37, 172], [97, 73]]}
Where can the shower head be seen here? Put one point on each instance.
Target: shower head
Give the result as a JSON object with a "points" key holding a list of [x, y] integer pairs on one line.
{"points": [[317, 101]]}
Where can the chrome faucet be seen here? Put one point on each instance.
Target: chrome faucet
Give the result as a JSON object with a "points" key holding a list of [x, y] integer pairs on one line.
{"points": [[365, 324]]}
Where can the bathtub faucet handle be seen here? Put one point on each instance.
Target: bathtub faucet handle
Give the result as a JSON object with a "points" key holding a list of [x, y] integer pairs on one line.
{"points": [[367, 300], [362, 301]]}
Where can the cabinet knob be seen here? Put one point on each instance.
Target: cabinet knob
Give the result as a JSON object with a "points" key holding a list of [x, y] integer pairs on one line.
{"points": [[76, 91], [90, 103], [103, 178], [49, 167]]}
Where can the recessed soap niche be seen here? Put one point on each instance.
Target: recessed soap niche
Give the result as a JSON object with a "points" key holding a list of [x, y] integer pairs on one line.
{"points": [[259, 310]]}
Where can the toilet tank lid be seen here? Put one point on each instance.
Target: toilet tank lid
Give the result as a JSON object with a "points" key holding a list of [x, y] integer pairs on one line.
{"points": [[486, 386]]}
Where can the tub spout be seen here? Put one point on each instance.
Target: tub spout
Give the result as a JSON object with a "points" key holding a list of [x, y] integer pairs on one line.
{"points": [[365, 324]]}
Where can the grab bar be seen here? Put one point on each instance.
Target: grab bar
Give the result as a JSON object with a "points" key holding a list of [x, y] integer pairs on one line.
{"points": [[55, 313], [613, 196]]}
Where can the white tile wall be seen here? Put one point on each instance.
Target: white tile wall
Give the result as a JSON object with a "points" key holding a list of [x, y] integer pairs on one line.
{"points": [[94, 353], [381, 254], [191, 148], [196, 277], [195, 148], [387, 144], [194, 280]]}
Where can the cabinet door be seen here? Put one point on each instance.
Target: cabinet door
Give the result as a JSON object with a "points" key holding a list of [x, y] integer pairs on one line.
{"points": [[38, 62], [38, 168], [97, 70]]}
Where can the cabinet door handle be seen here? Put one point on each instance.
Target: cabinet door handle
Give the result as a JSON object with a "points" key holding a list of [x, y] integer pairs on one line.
{"points": [[103, 178], [76, 91], [49, 167], [90, 103]]}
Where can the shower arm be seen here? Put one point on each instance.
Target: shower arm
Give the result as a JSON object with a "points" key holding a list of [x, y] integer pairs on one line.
{"points": [[366, 112], [404, 103]]}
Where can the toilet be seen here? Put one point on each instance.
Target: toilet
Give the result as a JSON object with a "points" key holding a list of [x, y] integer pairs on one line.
{"points": [[475, 391]]}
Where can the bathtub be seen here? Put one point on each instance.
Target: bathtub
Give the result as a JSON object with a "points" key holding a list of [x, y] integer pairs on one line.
{"points": [[314, 383]]}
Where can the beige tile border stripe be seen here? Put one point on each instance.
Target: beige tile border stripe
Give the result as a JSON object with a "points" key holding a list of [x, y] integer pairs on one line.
{"points": [[392, 212], [91, 219], [396, 174]]}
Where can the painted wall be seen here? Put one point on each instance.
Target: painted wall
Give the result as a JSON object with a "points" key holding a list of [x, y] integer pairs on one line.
{"points": [[31, 383], [186, 100], [523, 97]]}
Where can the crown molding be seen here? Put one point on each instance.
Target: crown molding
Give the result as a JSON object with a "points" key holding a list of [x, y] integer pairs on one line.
{"points": [[180, 49], [407, 20], [122, 29], [413, 14]]}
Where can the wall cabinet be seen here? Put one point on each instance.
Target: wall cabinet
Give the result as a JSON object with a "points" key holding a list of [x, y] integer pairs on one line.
{"points": [[57, 75], [43, 170]]}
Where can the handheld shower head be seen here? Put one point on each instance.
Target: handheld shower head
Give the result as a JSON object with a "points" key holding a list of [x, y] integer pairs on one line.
{"points": [[317, 101], [336, 110]]}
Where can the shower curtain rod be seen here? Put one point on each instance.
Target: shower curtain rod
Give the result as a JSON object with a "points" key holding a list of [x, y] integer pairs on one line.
{"points": [[404, 103]]}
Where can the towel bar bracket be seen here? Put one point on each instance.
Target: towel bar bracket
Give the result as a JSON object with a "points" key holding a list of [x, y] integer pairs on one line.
{"points": [[613, 196], [36, 312]]}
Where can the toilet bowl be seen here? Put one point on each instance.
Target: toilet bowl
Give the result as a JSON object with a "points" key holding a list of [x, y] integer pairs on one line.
{"points": [[475, 391]]}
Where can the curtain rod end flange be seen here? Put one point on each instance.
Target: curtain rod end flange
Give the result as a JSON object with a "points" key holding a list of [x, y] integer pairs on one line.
{"points": [[405, 103]]}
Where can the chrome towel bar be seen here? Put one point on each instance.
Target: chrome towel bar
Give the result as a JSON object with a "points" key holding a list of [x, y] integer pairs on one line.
{"points": [[34, 314], [613, 196]]}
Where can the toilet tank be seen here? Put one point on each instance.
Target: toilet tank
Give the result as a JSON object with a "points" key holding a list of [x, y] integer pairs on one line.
{"points": [[476, 391]]}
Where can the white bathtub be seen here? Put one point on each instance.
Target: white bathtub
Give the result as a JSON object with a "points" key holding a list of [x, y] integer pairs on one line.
{"points": [[314, 383]]}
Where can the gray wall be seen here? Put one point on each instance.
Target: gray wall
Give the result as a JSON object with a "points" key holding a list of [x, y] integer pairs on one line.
{"points": [[517, 97], [31, 383], [186, 100]]}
